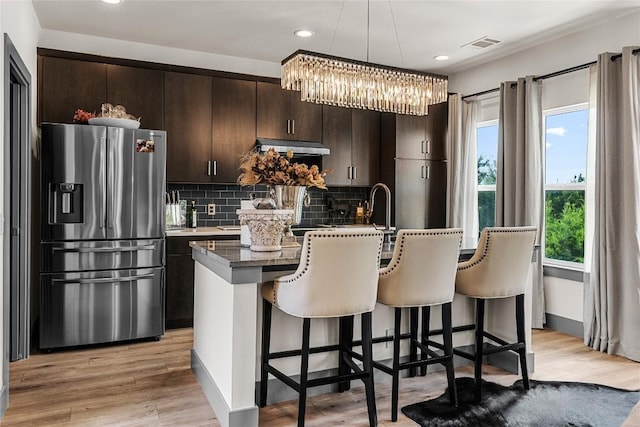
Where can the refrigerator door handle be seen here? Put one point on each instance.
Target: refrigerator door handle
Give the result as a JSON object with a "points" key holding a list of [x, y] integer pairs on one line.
{"points": [[111, 183], [103, 213], [94, 250], [104, 280]]}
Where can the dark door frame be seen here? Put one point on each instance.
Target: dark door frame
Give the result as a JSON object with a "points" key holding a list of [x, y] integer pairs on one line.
{"points": [[15, 224]]}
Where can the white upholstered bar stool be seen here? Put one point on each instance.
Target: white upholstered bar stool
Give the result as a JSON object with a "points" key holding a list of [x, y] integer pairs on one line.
{"points": [[421, 274], [337, 277], [499, 268]]}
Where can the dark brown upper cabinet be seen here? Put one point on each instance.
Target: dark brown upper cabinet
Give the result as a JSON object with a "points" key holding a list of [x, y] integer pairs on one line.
{"points": [[234, 125], [423, 137], [68, 85], [415, 173], [188, 122], [365, 147], [336, 123], [354, 139], [210, 123], [139, 90], [282, 115]]}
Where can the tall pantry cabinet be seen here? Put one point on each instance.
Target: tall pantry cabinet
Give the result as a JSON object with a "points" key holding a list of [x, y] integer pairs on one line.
{"points": [[414, 166]]}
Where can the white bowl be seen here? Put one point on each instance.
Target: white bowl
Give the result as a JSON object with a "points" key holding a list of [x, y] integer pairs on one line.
{"points": [[115, 122]]}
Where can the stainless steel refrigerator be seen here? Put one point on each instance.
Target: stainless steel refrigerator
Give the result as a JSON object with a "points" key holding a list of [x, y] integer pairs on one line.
{"points": [[103, 235]]}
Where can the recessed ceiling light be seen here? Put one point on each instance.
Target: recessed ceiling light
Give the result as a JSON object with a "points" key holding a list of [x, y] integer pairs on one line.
{"points": [[112, 1], [441, 57], [303, 33]]}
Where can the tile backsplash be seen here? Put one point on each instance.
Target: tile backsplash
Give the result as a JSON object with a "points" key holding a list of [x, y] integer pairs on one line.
{"points": [[342, 201]]}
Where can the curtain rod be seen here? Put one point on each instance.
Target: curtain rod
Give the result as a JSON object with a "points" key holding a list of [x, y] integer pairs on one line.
{"points": [[565, 71], [619, 55], [484, 92], [554, 74]]}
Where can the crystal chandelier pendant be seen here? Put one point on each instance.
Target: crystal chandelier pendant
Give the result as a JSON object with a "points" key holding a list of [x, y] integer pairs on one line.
{"points": [[332, 80]]}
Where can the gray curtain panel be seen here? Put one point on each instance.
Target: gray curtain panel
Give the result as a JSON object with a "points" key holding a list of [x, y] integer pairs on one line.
{"points": [[462, 207], [612, 304], [520, 183]]}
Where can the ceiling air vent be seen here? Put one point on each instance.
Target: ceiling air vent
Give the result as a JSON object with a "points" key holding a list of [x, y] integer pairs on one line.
{"points": [[482, 43]]}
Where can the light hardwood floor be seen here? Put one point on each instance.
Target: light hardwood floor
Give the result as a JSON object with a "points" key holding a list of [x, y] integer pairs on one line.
{"points": [[151, 384]]}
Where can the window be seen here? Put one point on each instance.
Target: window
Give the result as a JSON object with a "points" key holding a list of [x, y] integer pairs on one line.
{"points": [[566, 136], [487, 150]]}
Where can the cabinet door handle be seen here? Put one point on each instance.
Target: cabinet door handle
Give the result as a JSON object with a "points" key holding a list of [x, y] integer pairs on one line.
{"points": [[348, 172], [422, 147], [209, 167], [288, 126], [426, 145], [422, 172], [355, 172], [215, 167], [428, 172], [293, 127]]}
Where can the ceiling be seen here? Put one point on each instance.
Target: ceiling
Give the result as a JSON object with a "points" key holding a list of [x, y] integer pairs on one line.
{"points": [[406, 34]]}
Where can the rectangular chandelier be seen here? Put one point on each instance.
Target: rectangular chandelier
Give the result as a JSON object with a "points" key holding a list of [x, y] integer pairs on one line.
{"points": [[331, 80]]}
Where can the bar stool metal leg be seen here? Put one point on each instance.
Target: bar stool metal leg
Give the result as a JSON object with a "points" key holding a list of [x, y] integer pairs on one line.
{"points": [[426, 318], [521, 339], [395, 375], [413, 348], [304, 368], [367, 359], [448, 350], [345, 335], [266, 338], [479, 346]]}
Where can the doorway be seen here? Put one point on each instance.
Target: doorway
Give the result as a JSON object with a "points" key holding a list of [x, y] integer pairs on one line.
{"points": [[17, 186]]}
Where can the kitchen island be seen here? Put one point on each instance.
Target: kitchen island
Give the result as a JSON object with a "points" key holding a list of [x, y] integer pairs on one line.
{"points": [[227, 326]]}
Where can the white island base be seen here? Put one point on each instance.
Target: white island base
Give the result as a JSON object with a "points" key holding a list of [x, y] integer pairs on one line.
{"points": [[227, 329]]}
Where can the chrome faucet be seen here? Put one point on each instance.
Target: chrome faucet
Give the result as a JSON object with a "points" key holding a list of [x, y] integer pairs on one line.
{"points": [[387, 213]]}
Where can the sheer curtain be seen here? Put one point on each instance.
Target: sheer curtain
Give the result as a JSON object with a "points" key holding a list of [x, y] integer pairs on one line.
{"points": [[520, 183], [462, 205], [612, 302]]}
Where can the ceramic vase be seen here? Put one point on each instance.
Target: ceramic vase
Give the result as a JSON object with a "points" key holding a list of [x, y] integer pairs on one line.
{"points": [[266, 227]]}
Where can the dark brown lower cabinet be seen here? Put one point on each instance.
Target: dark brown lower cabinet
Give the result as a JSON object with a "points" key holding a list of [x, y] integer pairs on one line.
{"points": [[179, 285]]}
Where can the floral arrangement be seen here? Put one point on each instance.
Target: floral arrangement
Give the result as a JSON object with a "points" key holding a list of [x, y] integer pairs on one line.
{"points": [[106, 110], [81, 116], [271, 168]]}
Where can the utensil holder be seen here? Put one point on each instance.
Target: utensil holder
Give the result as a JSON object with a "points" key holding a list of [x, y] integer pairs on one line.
{"points": [[176, 215]]}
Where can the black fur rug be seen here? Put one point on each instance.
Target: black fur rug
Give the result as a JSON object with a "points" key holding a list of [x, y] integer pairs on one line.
{"points": [[546, 404]]}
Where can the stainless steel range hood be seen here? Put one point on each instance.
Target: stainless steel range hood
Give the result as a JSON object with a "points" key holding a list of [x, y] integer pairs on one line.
{"points": [[299, 148]]}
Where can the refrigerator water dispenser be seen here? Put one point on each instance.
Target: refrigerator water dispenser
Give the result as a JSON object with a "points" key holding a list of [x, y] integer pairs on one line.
{"points": [[65, 203]]}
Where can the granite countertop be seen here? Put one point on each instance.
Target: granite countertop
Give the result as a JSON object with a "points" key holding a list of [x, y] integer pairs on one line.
{"points": [[230, 254], [238, 264], [204, 231], [235, 230]]}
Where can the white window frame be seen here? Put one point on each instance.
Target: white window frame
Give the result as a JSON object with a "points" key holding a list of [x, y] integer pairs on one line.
{"points": [[571, 265]]}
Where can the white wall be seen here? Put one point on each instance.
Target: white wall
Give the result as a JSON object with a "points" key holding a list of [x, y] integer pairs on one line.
{"points": [[568, 51], [18, 19], [563, 298]]}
